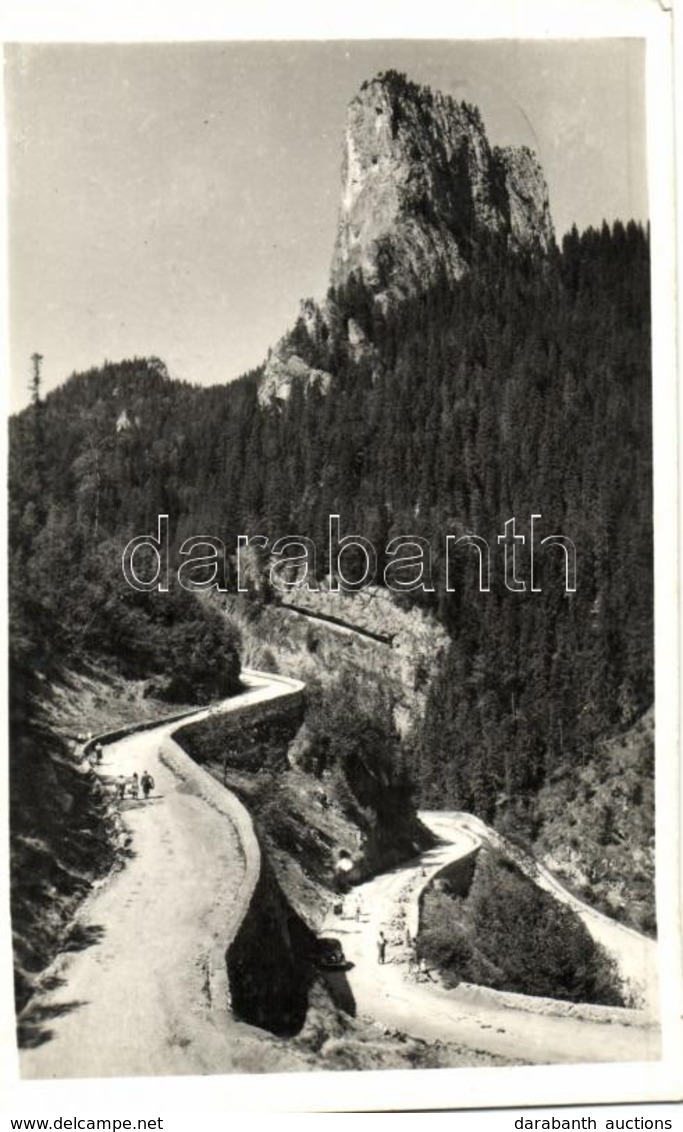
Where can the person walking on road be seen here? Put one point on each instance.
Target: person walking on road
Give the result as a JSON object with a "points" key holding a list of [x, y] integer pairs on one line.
{"points": [[121, 787], [381, 948], [134, 786], [147, 783], [424, 971]]}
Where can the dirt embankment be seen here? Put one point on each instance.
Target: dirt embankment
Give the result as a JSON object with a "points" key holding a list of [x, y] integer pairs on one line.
{"points": [[307, 820], [99, 700]]}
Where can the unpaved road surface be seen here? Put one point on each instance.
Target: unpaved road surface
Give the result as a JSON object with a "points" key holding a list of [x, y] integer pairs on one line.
{"points": [[537, 1031], [144, 992], [635, 954], [138, 998]]}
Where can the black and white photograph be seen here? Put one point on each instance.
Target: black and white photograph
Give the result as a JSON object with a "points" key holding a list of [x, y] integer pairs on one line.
{"points": [[332, 554]]}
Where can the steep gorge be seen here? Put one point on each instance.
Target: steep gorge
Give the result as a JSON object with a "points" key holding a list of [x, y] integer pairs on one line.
{"points": [[459, 363]]}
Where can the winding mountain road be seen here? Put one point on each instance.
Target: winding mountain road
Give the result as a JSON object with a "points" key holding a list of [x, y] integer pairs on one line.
{"points": [[634, 953], [147, 992], [520, 1027], [144, 989]]}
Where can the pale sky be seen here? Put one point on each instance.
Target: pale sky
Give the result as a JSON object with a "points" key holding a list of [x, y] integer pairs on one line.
{"points": [[180, 199]]}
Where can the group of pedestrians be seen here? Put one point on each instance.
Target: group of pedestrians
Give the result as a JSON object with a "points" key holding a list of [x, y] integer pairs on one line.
{"points": [[134, 785], [417, 967]]}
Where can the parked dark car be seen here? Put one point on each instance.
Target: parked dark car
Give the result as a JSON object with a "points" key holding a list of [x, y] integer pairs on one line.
{"points": [[329, 953]]}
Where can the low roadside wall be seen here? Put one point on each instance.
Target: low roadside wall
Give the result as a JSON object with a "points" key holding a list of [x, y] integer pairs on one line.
{"points": [[290, 699], [187, 770]]}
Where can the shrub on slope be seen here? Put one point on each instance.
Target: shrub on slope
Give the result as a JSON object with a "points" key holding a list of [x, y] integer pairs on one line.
{"points": [[508, 934]]}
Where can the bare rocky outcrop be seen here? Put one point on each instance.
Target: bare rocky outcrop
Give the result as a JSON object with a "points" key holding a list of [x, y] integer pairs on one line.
{"points": [[421, 188], [282, 370], [420, 182], [527, 193], [311, 633], [284, 366]]}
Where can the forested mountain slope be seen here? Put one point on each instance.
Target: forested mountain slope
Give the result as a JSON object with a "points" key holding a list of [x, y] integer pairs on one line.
{"points": [[463, 370], [524, 388]]}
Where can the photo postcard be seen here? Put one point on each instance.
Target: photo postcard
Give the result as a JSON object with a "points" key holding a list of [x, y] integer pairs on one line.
{"points": [[341, 445]]}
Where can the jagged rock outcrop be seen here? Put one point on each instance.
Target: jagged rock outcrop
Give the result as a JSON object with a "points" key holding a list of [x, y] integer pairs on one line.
{"points": [[311, 633], [527, 192], [284, 366], [421, 187], [420, 182], [282, 369]]}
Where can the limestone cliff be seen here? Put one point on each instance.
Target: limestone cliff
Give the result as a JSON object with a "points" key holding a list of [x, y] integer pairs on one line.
{"points": [[420, 183], [284, 366], [421, 189]]}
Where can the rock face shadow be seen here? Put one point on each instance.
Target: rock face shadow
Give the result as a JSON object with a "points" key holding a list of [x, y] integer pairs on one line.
{"points": [[268, 964], [31, 1029], [31, 1023], [82, 936], [340, 991]]}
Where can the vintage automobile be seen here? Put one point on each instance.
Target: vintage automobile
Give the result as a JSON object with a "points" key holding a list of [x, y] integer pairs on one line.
{"points": [[329, 954]]}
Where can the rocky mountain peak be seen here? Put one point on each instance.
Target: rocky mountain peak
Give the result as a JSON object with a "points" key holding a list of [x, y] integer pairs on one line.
{"points": [[420, 186], [420, 182]]}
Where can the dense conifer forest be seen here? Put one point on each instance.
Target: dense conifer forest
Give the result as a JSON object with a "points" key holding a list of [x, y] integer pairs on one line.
{"points": [[524, 388]]}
